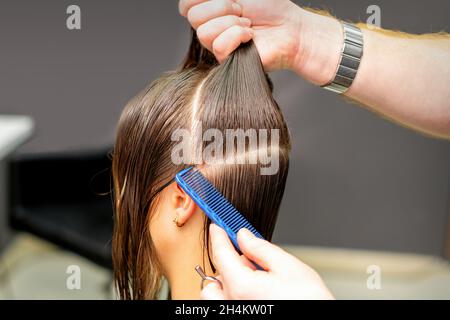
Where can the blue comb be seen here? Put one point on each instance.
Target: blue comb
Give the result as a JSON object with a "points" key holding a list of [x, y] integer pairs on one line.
{"points": [[213, 203]]}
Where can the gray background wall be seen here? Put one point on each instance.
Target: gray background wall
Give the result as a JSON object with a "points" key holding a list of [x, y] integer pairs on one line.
{"points": [[356, 180]]}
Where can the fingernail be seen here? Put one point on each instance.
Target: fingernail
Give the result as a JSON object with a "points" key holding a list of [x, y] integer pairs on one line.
{"points": [[246, 22], [237, 8], [246, 234], [250, 32]]}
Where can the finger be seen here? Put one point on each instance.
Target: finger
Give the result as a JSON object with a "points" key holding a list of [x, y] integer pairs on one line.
{"points": [[229, 40], [225, 257], [211, 29], [265, 254], [185, 5], [212, 291], [247, 262], [208, 10]]}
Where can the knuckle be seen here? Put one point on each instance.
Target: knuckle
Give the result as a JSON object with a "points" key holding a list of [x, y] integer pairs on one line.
{"points": [[203, 33], [222, 6], [243, 33], [234, 20], [237, 31], [218, 49], [193, 17]]}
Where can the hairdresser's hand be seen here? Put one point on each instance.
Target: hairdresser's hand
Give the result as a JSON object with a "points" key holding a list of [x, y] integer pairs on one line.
{"points": [[287, 37], [285, 276]]}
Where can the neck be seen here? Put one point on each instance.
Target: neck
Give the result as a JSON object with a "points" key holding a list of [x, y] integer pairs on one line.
{"points": [[180, 261], [183, 280]]}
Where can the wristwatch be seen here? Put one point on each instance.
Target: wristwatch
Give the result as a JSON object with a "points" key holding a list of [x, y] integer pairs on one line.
{"points": [[352, 52]]}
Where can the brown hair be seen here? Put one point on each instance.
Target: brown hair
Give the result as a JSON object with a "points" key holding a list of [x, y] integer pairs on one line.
{"points": [[235, 94]]}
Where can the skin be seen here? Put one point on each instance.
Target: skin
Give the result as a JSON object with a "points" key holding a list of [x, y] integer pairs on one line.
{"points": [[284, 276], [401, 77], [179, 249]]}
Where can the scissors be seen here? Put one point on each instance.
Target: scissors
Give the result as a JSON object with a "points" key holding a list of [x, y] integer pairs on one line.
{"points": [[206, 278]]}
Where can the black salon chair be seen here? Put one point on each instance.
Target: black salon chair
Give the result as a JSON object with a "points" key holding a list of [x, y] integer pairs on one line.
{"points": [[65, 199]]}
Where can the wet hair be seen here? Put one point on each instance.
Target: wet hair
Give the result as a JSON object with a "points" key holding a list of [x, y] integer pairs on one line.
{"points": [[234, 95]]}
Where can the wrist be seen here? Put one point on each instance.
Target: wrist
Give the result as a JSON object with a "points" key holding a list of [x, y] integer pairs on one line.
{"points": [[320, 42]]}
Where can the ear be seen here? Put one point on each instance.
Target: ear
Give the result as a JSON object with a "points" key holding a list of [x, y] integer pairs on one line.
{"points": [[184, 206]]}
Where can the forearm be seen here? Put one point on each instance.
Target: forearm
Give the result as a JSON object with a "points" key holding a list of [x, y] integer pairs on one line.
{"points": [[407, 80], [402, 77]]}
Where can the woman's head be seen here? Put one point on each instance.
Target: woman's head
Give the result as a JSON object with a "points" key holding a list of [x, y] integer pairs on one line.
{"points": [[235, 132]]}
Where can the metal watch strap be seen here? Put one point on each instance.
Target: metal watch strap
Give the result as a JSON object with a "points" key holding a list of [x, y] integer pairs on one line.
{"points": [[352, 52]]}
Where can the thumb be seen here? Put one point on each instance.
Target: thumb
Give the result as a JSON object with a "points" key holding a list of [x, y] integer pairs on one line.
{"points": [[265, 254], [212, 291]]}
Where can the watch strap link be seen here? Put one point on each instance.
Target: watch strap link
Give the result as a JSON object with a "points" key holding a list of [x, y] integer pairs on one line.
{"points": [[352, 52]]}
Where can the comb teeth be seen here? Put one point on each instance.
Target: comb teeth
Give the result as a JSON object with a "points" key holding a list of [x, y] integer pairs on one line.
{"points": [[214, 201]]}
